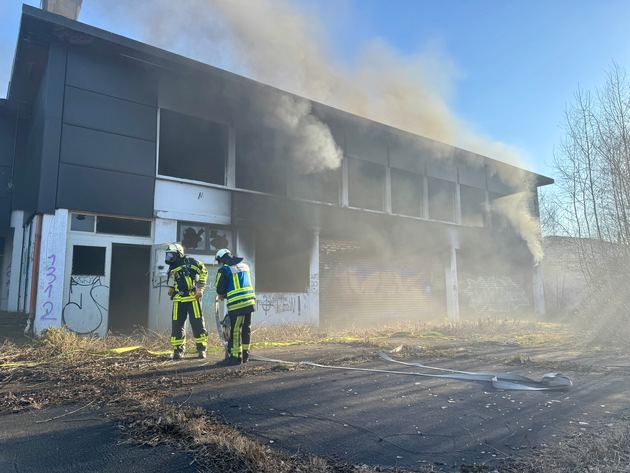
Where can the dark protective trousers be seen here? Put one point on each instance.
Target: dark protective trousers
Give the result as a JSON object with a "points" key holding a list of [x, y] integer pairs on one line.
{"points": [[181, 311], [240, 334]]}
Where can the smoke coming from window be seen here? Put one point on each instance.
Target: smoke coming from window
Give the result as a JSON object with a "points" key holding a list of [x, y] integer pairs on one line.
{"points": [[284, 44]]}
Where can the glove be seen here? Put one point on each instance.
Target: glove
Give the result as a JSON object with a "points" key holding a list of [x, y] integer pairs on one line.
{"points": [[171, 291], [198, 294]]}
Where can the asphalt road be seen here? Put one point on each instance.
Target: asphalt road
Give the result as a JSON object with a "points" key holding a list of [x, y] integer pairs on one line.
{"points": [[363, 417]]}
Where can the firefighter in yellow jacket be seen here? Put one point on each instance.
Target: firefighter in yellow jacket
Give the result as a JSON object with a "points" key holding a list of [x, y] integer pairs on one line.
{"points": [[234, 284], [189, 277]]}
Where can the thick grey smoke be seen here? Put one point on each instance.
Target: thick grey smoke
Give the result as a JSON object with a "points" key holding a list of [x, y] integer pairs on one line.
{"points": [[282, 43], [310, 141]]}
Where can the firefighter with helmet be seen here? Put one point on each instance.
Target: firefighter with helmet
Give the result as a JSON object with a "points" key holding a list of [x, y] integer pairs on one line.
{"points": [[189, 277], [234, 284]]}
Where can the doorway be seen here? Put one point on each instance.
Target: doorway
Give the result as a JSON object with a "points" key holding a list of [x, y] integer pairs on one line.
{"points": [[129, 287]]}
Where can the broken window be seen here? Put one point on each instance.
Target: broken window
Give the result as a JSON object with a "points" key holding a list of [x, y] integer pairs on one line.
{"points": [[111, 225], [407, 192], [82, 223], [366, 184], [203, 239], [192, 148], [441, 199], [473, 201], [283, 260]]}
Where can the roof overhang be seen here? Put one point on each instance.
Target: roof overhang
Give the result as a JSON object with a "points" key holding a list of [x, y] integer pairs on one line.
{"points": [[39, 29]]}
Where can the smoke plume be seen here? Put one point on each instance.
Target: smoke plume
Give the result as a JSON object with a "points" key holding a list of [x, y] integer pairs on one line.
{"points": [[281, 43]]}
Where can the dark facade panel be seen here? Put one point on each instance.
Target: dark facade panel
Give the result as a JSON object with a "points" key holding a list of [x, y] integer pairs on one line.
{"points": [[202, 95], [102, 191], [105, 113], [7, 138], [53, 93], [111, 75], [99, 149], [497, 175], [5, 180]]}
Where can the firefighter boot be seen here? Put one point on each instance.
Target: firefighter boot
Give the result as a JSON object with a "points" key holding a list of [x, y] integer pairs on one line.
{"points": [[233, 361], [245, 356], [178, 354]]}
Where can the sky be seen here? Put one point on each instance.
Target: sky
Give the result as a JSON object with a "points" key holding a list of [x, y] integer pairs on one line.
{"points": [[490, 76]]}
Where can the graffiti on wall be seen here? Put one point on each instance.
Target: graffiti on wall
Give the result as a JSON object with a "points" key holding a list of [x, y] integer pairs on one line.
{"points": [[85, 311], [495, 294], [282, 303], [49, 313], [160, 282], [313, 287]]}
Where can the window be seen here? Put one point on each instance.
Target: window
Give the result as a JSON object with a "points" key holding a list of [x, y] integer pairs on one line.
{"points": [[320, 186], [282, 260], [259, 162], [407, 193], [192, 148], [441, 199], [110, 225], [82, 223], [366, 184], [473, 201], [123, 226], [88, 260], [203, 239]]}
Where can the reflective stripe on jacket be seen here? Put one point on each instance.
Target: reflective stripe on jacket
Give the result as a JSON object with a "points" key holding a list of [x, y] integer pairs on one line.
{"points": [[240, 291], [187, 274]]}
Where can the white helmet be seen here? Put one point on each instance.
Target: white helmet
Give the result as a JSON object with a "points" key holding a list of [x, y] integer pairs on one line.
{"points": [[222, 255], [174, 251]]}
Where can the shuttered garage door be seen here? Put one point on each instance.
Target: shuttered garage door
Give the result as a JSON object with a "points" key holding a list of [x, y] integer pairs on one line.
{"points": [[492, 289], [359, 288]]}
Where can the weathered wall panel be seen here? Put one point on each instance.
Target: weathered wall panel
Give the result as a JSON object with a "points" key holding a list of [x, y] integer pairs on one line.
{"points": [[102, 191], [92, 148]]}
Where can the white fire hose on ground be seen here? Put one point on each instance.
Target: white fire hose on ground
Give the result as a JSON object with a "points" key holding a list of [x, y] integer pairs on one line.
{"points": [[502, 381]]}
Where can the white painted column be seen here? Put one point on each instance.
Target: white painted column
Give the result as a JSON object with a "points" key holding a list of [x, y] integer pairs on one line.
{"points": [[313, 289], [452, 287], [538, 289], [52, 264]]}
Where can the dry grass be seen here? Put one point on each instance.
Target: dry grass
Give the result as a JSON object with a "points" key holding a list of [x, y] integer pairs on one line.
{"points": [[61, 367]]}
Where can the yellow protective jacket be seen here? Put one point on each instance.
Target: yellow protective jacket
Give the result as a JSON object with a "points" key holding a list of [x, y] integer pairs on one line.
{"points": [[189, 276]]}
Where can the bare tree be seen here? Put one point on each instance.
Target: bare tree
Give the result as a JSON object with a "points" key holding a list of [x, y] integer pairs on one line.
{"points": [[591, 200]]}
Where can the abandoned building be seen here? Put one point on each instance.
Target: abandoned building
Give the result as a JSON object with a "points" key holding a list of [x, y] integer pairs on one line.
{"points": [[110, 148]]}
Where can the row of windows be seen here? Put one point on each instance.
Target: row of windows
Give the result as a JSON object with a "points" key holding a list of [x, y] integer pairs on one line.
{"points": [[197, 149]]}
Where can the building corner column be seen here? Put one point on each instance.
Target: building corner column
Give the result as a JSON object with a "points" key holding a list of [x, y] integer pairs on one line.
{"points": [[538, 290], [452, 287]]}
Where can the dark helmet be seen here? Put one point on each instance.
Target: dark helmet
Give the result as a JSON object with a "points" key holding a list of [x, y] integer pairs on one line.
{"points": [[174, 251]]}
